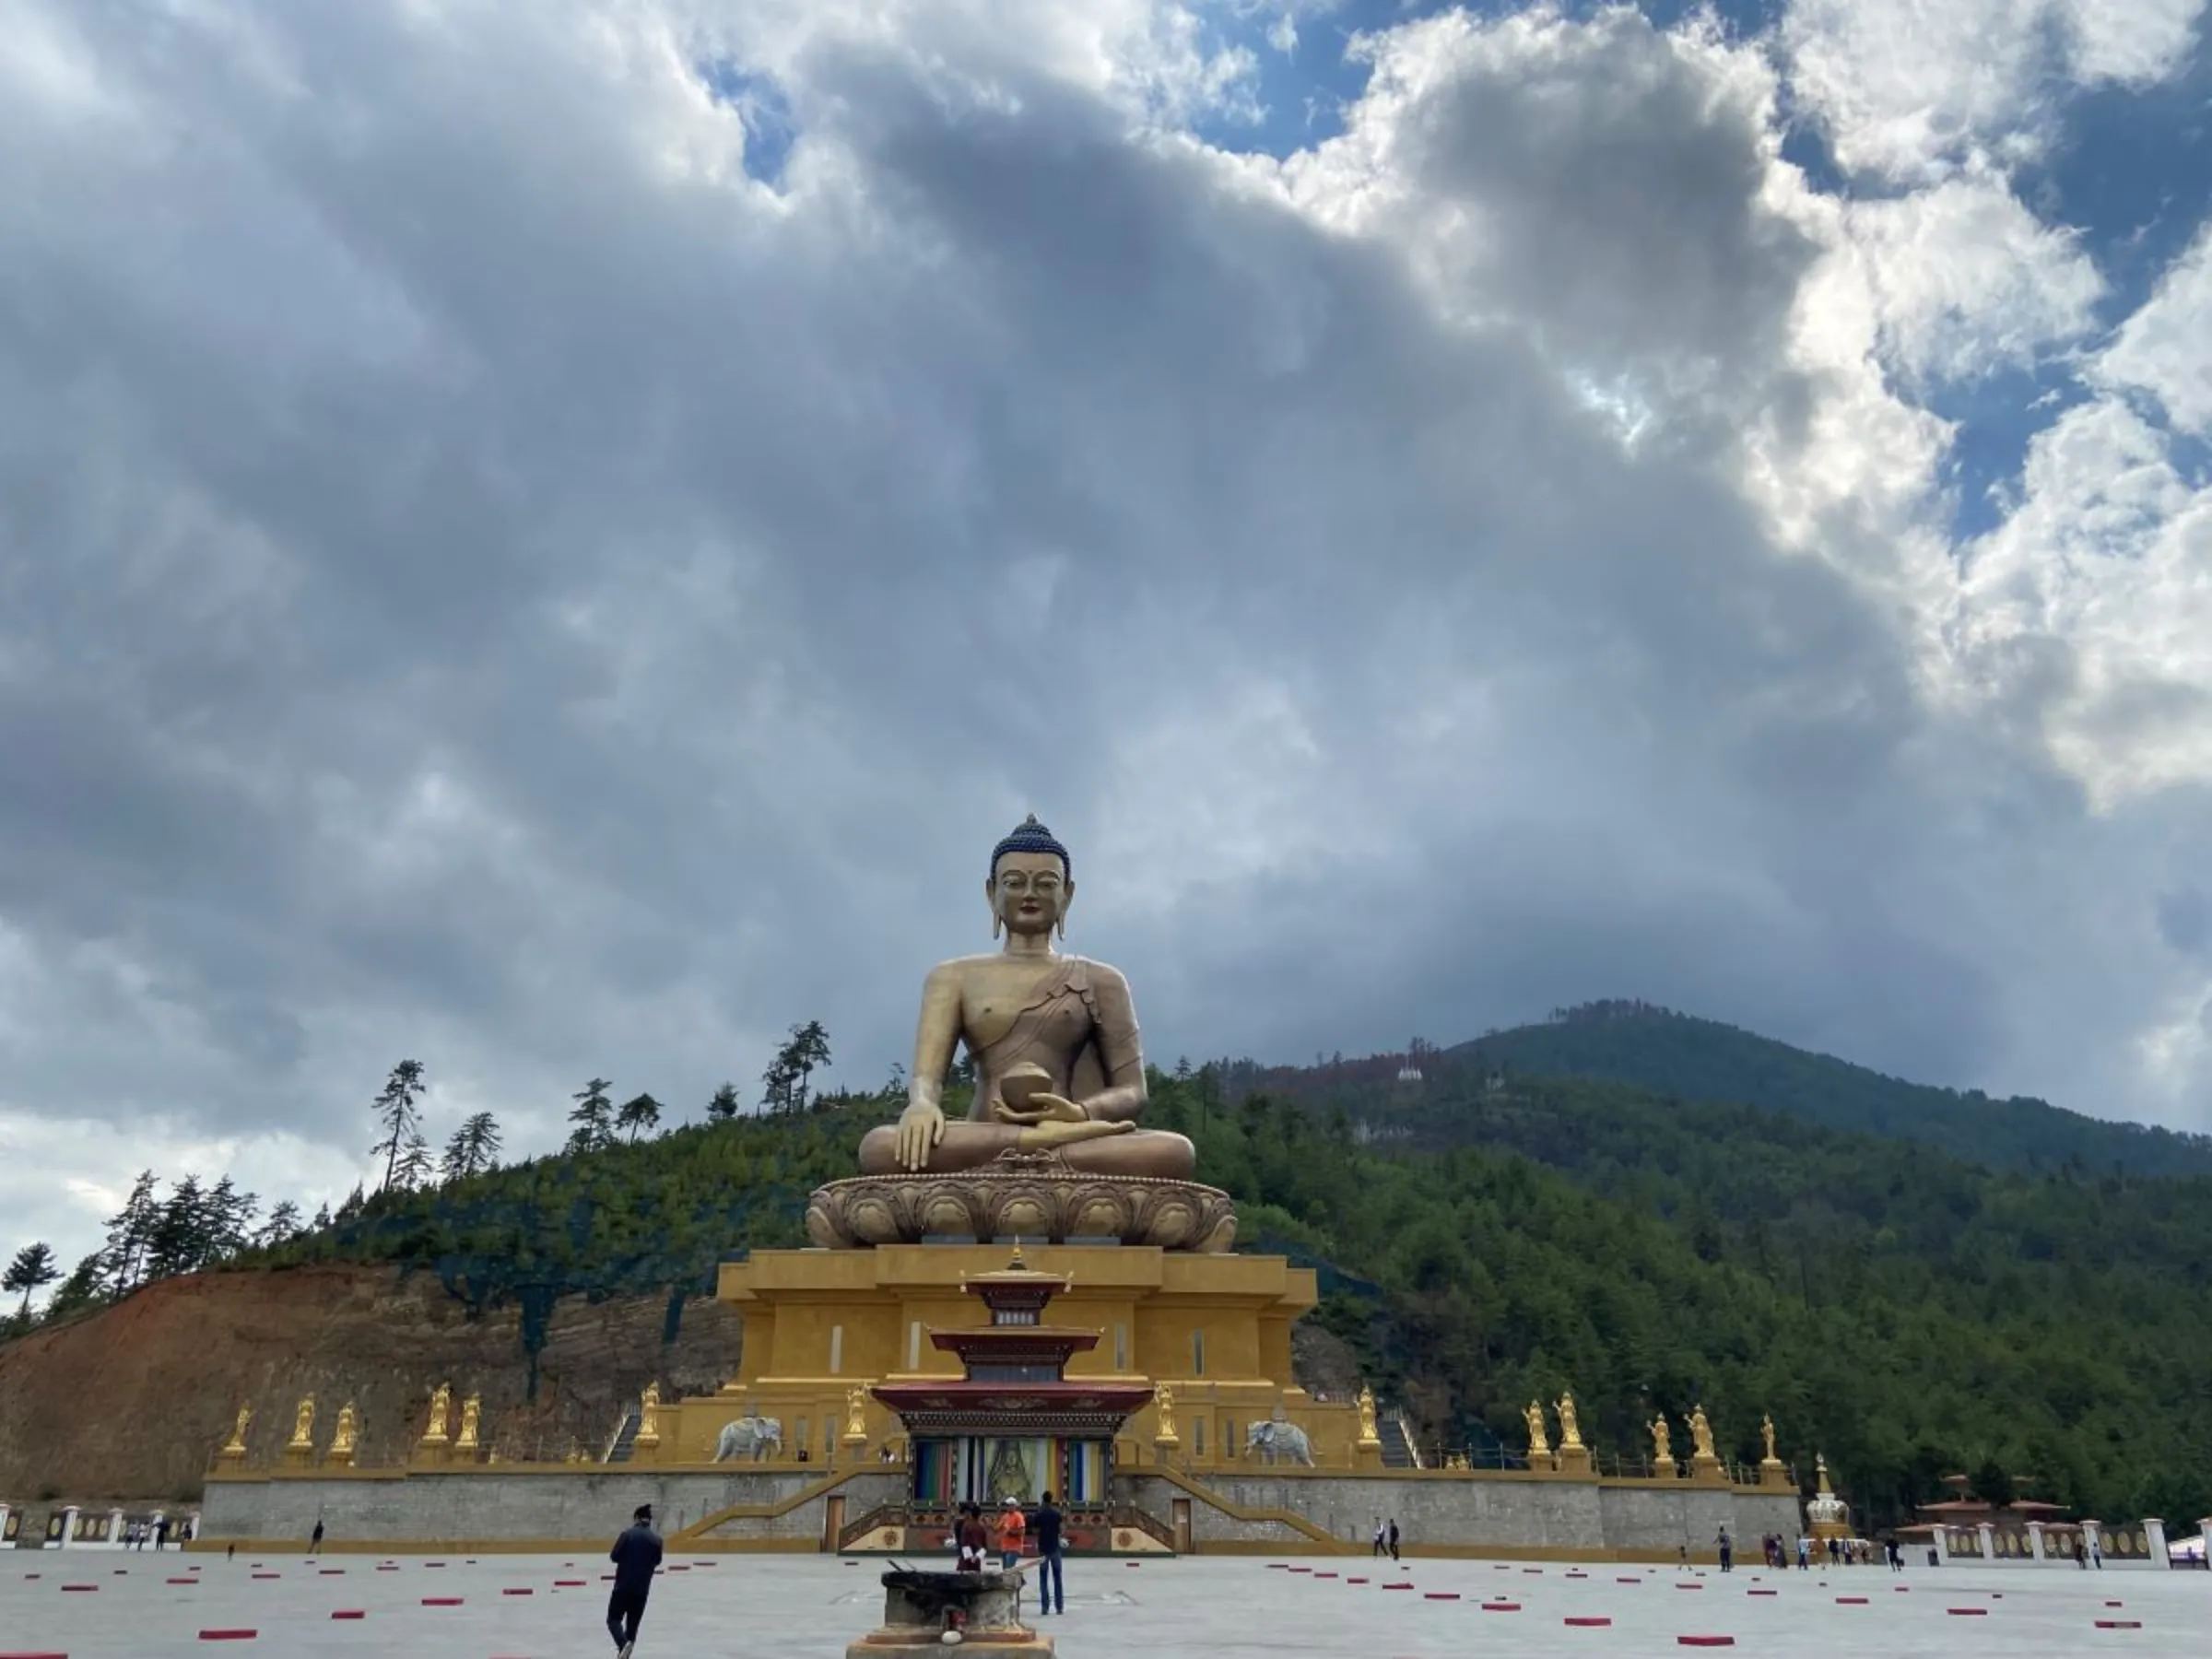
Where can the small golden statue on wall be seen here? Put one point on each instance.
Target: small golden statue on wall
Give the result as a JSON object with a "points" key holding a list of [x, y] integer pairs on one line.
{"points": [[235, 1450], [1700, 1436], [1662, 1446], [1765, 1433], [1164, 1397], [857, 1415], [472, 1411], [649, 1416], [1540, 1443], [342, 1442], [1368, 1438], [441, 1401], [300, 1449], [1570, 1433]]}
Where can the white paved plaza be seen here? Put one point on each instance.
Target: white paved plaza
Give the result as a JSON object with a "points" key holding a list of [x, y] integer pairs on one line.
{"points": [[736, 1606]]}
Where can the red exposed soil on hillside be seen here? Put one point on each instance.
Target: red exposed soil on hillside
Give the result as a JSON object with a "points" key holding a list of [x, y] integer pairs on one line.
{"points": [[131, 1403]]}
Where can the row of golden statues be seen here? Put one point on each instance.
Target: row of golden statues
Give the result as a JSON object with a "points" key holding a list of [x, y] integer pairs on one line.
{"points": [[344, 1441], [1571, 1449]]}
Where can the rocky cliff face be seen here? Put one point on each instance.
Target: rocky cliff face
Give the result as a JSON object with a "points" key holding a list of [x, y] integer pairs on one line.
{"points": [[130, 1404]]}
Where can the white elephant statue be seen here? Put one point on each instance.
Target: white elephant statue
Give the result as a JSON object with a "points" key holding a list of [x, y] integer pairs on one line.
{"points": [[1279, 1440], [750, 1437]]}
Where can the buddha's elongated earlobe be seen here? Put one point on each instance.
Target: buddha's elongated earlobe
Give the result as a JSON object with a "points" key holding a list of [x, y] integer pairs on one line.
{"points": [[996, 926], [1059, 924]]}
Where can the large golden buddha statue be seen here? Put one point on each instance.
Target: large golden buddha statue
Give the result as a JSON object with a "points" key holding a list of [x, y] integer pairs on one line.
{"points": [[1053, 1038], [1050, 1147]]}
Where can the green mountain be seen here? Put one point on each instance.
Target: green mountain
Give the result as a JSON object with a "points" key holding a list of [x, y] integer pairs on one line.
{"points": [[1489, 1235], [1694, 1059]]}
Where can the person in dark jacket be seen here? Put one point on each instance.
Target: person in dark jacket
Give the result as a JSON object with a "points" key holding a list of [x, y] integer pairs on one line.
{"points": [[635, 1555], [1046, 1527]]}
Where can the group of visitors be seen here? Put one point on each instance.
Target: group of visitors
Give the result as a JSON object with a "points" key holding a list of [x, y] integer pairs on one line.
{"points": [[1008, 1535], [1841, 1552], [137, 1535], [1386, 1538]]}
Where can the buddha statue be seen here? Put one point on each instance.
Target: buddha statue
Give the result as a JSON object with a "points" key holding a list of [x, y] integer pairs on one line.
{"points": [[1054, 1040]]}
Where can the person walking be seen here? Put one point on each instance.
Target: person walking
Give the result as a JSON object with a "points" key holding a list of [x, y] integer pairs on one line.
{"points": [[314, 1539], [1050, 1595], [1012, 1528], [1805, 1555], [1393, 1538], [1381, 1538], [1727, 1551], [635, 1555]]}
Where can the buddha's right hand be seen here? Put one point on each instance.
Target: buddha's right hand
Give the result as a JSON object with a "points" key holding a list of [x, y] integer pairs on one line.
{"points": [[921, 1127]]}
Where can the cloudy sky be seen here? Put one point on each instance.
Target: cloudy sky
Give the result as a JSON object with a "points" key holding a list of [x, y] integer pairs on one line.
{"points": [[549, 536]]}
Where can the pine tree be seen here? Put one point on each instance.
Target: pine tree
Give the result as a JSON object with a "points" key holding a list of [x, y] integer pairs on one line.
{"points": [[82, 1288], [282, 1225], [230, 1218], [593, 1117], [640, 1112], [32, 1270], [796, 1061], [181, 1233], [397, 1116], [414, 1168], [725, 1104], [473, 1149], [322, 1222], [130, 1237]]}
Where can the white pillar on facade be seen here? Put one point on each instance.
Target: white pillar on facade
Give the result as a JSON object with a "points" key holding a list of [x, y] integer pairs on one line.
{"points": [[1989, 1543], [5, 1542], [2092, 1534], [2035, 1540], [2154, 1534], [116, 1529], [69, 1538]]}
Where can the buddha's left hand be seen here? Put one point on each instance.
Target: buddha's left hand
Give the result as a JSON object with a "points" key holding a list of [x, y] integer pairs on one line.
{"points": [[1041, 1109]]}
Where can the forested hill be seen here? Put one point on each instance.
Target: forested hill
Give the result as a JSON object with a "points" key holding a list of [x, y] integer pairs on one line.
{"points": [[1496, 1239], [1702, 1060]]}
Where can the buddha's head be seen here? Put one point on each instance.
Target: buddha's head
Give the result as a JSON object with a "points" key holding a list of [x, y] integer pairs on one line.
{"points": [[1031, 885]]}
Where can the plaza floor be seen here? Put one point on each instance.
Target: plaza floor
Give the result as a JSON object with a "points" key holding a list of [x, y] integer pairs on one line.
{"points": [[551, 1607]]}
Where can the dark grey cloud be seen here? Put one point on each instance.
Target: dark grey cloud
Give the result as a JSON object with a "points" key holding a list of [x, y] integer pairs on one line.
{"points": [[481, 580]]}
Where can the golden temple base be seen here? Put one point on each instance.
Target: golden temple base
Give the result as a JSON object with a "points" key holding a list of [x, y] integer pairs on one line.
{"points": [[821, 1322]]}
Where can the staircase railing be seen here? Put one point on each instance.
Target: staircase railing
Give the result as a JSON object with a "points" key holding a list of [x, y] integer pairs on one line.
{"points": [[1394, 1427], [619, 1442], [1128, 1517]]}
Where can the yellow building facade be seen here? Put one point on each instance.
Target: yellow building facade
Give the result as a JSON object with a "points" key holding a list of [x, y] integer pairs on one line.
{"points": [[821, 1323]]}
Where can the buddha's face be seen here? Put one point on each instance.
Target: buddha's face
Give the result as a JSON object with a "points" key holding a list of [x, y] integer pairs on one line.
{"points": [[1029, 892]]}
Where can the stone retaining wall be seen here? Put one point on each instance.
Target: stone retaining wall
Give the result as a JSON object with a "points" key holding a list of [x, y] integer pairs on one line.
{"points": [[496, 1506], [1471, 1515]]}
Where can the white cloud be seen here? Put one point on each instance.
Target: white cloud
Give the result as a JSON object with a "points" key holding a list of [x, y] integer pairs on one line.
{"points": [[2165, 349], [507, 588], [1913, 89], [1966, 281]]}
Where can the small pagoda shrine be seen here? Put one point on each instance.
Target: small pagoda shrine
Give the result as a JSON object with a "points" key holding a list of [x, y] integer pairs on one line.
{"points": [[1013, 1426]]}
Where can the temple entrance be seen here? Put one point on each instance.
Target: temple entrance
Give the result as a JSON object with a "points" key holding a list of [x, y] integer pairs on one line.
{"points": [[833, 1522], [1183, 1526]]}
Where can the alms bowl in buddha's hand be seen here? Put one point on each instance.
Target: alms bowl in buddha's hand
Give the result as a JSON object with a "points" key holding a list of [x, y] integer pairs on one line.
{"points": [[1025, 1097]]}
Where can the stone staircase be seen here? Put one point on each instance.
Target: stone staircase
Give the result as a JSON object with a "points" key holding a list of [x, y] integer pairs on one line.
{"points": [[626, 1434], [1397, 1442]]}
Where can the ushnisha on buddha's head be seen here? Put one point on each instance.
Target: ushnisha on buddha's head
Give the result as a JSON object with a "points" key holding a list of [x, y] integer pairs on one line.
{"points": [[1031, 883]]}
